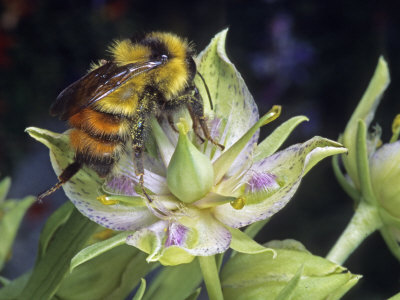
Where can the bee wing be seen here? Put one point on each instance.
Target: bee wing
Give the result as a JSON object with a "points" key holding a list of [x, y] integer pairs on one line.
{"points": [[96, 85]]}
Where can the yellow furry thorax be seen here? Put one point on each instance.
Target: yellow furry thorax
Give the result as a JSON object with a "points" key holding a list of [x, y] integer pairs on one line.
{"points": [[170, 78]]}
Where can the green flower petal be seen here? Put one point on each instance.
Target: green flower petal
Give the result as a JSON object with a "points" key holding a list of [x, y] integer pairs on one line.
{"points": [[172, 243], [286, 168], [234, 108], [85, 187], [365, 111]]}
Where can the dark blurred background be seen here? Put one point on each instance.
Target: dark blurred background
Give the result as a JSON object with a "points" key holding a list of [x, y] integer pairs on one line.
{"points": [[314, 58]]}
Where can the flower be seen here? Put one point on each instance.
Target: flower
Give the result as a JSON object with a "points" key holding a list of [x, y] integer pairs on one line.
{"points": [[200, 194], [373, 171]]}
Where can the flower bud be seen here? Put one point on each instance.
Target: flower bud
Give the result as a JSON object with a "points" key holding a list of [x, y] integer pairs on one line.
{"points": [[190, 174], [385, 176]]}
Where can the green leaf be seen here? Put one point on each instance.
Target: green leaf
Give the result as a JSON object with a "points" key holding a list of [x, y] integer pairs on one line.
{"points": [[53, 223], [272, 143], [140, 292], [4, 188], [194, 295], [260, 276], [11, 214], [287, 292], [242, 243], [50, 269], [96, 249], [364, 111], [395, 297], [14, 288], [4, 281], [111, 275], [164, 285]]}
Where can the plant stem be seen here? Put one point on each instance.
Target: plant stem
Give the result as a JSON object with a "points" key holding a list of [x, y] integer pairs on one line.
{"points": [[211, 277], [365, 221]]}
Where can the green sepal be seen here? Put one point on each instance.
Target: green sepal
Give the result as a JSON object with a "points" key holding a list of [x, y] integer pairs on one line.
{"points": [[111, 275], [364, 175], [327, 148], [260, 276], [272, 143], [11, 214], [287, 292], [98, 248], [391, 242], [224, 162], [50, 269], [344, 183], [242, 243], [53, 223], [140, 292], [164, 284], [253, 229], [364, 111]]}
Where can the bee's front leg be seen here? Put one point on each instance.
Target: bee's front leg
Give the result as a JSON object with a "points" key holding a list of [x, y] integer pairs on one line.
{"points": [[196, 110]]}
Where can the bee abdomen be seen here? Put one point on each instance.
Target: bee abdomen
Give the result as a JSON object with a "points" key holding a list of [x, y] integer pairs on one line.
{"points": [[98, 154], [102, 126]]}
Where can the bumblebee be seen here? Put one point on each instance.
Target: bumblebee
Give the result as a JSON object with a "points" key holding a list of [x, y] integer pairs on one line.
{"points": [[111, 106]]}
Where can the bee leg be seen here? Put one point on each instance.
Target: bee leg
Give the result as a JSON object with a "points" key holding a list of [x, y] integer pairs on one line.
{"points": [[66, 175], [139, 169], [171, 123], [196, 109], [195, 125]]}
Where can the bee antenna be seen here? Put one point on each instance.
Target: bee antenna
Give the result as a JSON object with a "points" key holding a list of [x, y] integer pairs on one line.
{"points": [[207, 90], [66, 175]]}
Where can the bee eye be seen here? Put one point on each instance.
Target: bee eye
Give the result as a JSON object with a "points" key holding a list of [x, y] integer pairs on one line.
{"points": [[164, 58]]}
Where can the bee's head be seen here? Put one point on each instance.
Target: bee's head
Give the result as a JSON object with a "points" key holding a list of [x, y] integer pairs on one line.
{"points": [[178, 68]]}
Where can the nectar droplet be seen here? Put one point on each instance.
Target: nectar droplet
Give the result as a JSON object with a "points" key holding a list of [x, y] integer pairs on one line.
{"points": [[238, 203], [106, 200]]}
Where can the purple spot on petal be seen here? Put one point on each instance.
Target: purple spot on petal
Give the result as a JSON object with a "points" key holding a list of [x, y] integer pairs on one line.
{"points": [[176, 235], [122, 185], [261, 182]]}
